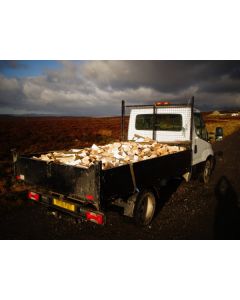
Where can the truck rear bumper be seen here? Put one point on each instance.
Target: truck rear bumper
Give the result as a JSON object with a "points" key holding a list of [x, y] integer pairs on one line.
{"points": [[67, 206]]}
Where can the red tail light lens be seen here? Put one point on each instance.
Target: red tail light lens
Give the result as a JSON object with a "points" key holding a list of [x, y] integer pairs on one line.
{"points": [[20, 177], [96, 218], [90, 197], [33, 196]]}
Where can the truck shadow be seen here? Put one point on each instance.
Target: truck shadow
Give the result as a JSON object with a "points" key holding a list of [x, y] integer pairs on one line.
{"points": [[166, 192], [227, 214]]}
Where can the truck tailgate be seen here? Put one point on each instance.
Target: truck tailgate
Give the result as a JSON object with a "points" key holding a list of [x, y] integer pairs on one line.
{"points": [[68, 180]]}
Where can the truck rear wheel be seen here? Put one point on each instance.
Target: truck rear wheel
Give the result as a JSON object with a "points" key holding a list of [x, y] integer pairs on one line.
{"points": [[144, 208]]}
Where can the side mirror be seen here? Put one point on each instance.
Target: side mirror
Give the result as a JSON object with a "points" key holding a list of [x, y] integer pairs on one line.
{"points": [[211, 136], [219, 134], [210, 139]]}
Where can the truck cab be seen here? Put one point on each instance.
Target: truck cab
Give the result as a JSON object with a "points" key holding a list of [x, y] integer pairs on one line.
{"points": [[175, 124]]}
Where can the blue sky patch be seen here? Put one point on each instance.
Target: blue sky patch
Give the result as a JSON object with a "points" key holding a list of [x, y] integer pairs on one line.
{"points": [[27, 68]]}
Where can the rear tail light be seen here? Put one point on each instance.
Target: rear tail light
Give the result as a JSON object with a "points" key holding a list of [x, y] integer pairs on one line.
{"points": [[96, 218], [33, 196], [90, 197], [20, 177]]}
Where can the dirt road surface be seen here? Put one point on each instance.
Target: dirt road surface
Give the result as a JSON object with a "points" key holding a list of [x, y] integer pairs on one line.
{"points": [[190, 210]]}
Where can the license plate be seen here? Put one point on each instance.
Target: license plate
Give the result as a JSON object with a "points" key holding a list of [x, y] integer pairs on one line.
{"points": [[64, 204]]}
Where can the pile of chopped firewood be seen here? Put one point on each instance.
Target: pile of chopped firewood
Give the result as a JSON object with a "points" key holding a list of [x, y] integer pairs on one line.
{"points": [[112, 155]]}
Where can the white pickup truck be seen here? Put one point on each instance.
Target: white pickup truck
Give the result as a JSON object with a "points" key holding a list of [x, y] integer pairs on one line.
{"points": [[135, 186]]}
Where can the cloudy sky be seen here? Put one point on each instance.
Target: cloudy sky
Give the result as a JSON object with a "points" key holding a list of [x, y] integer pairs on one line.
{"points": [[97, 87]]}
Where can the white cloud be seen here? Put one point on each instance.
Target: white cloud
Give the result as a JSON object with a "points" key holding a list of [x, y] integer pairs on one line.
{"points": [[8, 84]]}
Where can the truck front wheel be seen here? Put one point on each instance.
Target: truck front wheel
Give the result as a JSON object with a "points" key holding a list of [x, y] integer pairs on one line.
{"points": [[144, 208], [207, 170]]}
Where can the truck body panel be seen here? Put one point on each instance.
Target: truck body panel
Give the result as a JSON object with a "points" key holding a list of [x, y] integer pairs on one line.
{"points": [[118, 182]]}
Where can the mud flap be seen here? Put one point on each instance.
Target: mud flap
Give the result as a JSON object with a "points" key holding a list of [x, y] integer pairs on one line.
{"points": [[187, 176], [129, 206]]}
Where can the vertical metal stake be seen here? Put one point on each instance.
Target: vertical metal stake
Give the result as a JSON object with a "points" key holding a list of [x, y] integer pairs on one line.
{"points": [[123, 121], [154, 122]]}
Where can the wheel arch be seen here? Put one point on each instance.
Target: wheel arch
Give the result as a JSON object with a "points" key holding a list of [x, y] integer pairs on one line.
{"points": [[212, 159]]}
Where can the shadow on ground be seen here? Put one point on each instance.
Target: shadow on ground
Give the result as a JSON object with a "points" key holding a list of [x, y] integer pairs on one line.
{"points": [[227, 218]]}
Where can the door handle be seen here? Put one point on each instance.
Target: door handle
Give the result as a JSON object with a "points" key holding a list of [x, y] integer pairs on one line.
{"points": [[195, 149]]}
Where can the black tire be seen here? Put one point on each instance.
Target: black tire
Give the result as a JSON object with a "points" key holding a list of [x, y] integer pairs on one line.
{"points": [[206, 172], [144, 208]]}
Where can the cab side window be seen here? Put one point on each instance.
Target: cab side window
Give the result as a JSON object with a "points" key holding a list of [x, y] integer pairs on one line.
{"points": [[200, 127]]}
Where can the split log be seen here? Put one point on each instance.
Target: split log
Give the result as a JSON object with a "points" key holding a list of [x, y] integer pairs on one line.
{"points": [[112, 155]]}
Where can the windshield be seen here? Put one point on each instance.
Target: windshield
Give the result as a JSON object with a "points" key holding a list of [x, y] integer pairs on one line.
{"points": [[164, 122]]}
